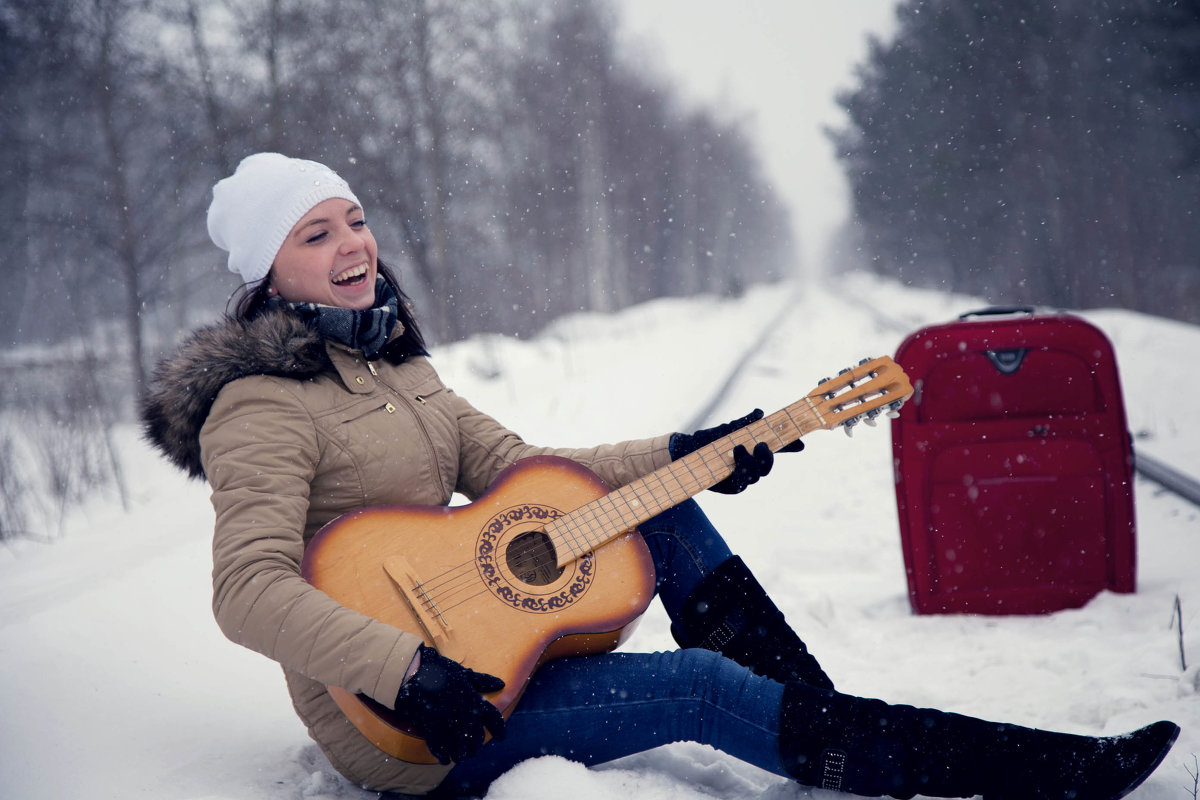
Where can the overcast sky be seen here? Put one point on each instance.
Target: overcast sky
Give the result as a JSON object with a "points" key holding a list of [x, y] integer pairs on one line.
{"points": [[778, 64]]}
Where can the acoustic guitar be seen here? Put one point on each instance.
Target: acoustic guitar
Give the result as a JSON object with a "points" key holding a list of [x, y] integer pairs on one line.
{"points": [[546, 563]]}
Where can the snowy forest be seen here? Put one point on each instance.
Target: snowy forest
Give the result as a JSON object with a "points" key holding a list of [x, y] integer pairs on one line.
{"points": [[512, 166], [1033, 152], [515, 168]]}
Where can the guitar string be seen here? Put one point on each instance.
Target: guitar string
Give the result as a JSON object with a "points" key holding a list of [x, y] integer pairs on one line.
{"points": [[442, 587], [577, 519], [443, 597], [577, 522], [440, 593], [688, 488], [436, 595]]}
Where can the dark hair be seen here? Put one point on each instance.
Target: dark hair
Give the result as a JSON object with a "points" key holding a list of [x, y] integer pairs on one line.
{"points": [[247, 303]]}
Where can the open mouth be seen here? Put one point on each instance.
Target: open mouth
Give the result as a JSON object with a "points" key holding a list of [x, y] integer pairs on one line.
{"points": [[355, 276]]}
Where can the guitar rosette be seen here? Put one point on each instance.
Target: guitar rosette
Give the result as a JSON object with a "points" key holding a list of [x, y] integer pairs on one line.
{"points": [[517, 560]]}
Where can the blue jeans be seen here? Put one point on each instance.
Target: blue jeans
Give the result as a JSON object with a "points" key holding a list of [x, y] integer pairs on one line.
{"points": [[594, 709]]}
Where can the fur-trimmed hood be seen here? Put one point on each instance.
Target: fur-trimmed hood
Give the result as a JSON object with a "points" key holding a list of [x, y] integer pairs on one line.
{"points": [[184, 385]]}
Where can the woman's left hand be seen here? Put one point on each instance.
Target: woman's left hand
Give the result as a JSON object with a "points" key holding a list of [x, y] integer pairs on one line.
{"points": [[748, 466]]}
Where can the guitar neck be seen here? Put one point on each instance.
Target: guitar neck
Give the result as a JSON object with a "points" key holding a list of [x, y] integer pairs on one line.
{"points": [[607, 517]]}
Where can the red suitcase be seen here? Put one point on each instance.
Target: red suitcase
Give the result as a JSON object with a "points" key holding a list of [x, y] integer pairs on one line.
{"points": [[1013, 465]]}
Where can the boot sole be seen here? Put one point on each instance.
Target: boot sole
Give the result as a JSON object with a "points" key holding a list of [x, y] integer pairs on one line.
{"points": [[1168, 732], [1143, 749]]}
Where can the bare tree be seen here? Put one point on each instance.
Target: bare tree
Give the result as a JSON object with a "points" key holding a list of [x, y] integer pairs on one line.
{"points": [[515, 169]]}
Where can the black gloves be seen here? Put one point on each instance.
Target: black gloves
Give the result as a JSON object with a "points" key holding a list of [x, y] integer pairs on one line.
{"points": [[748, 466], [444, 704]]}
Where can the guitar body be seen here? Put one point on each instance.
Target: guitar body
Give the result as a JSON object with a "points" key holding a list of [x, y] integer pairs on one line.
{"points": [[548, 562], [481, 584]]}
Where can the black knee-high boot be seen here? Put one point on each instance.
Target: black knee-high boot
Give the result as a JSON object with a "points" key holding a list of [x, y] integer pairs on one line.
{"points": [[729, 611], [868, 747]]}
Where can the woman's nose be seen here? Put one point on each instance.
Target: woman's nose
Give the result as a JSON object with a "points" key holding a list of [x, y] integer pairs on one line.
{"points": [[351, 241]]}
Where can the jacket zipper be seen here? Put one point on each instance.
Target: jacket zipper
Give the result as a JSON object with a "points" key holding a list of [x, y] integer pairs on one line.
{"points": [[437, 469]]}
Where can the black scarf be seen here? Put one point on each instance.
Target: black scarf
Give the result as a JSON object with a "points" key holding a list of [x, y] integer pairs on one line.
{"points": [[367, 330]]}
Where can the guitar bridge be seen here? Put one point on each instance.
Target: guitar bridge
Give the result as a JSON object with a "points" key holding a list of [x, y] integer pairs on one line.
{"points": [[423, 606]]}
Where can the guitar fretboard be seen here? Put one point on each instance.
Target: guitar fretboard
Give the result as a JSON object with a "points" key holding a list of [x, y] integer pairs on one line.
{"points": [[607, 517]]}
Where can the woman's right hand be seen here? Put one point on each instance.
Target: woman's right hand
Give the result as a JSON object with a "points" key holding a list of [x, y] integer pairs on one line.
{"points": [[443, 702]]}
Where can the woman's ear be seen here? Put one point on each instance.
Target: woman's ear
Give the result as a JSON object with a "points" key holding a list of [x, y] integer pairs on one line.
{"points": [[271, 290]]}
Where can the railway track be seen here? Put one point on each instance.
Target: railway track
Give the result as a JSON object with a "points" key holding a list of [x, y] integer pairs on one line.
{"points": [[1165, 475]]}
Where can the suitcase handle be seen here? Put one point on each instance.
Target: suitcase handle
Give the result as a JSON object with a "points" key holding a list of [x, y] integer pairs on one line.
{"points": [[998, 310]]}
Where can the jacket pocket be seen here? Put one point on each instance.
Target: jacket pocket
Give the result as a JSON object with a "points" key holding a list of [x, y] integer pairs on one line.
{"points": [[362, 408], [360, 427], [428, 391]]}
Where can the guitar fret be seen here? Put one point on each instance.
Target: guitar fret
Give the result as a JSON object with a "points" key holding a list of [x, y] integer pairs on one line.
{"points": [[713, 477], [671, 493], [610, 509], [579, 534], [569, 525], [612, 515], [686, 478], [781, 442], [586, 527], [649, 498], [799, 428], [587, 522], [634, 503], [688, 467], [816, 413], [628, 511], [623, 509]]}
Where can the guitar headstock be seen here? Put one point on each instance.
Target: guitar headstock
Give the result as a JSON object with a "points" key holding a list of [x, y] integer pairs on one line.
{"points": [[860, 394]]}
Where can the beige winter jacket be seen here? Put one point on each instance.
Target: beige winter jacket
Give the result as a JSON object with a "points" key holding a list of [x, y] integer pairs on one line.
{"points": [[285, 455]]}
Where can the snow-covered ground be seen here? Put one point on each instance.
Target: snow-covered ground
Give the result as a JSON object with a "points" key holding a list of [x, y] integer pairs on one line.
{"points": [[117, 683]]}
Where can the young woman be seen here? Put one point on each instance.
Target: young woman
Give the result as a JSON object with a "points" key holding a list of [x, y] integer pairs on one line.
{"points": [[317, 397]]}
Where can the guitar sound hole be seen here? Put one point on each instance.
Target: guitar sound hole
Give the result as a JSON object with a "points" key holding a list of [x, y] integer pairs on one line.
{"points": [[531, 558]]}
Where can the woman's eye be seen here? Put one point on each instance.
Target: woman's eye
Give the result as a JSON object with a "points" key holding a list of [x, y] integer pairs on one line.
{"points": [[359, 223], [316, 237]]}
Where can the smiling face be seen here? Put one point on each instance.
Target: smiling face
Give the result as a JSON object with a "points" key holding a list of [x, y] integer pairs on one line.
{"points": [[329, 257]]}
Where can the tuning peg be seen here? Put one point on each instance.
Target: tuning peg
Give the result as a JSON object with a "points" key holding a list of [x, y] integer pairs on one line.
{"points": [[848, 425]]}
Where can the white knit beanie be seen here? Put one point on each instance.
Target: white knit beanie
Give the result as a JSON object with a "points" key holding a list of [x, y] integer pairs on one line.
{"points": [[254, 209]]}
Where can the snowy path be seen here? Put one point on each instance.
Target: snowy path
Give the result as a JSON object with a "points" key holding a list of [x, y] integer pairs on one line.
{"points": [[118, 685]]}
